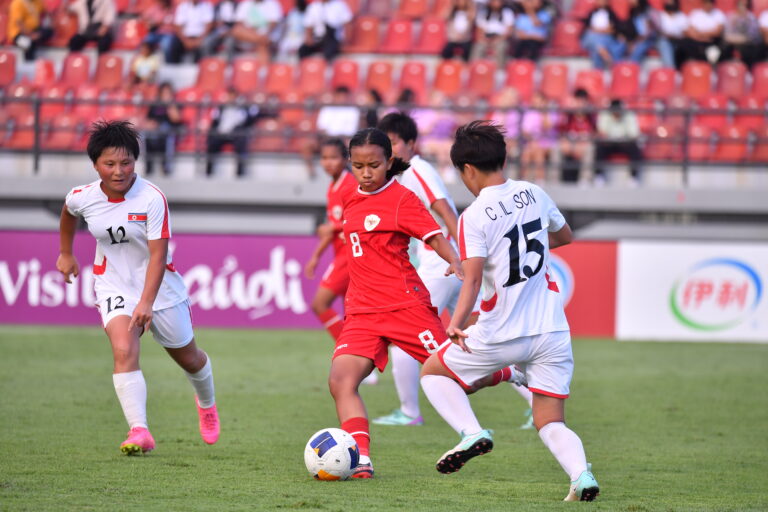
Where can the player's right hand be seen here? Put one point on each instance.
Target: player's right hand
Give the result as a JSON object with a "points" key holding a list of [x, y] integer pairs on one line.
{"points": [[458, 336], [309, 268], [455, 268], [67, 265]]}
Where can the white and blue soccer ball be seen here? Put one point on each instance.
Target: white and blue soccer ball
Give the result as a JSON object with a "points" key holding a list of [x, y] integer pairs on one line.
{"points": [[331, 454]]}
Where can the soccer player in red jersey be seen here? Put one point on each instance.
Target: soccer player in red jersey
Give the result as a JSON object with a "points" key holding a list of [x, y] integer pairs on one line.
{"points": [[333, 159], [386, 301]]}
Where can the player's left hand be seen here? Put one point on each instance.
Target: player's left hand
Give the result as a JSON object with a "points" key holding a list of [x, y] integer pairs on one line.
{"points": [[142, 317], [458, 336], [455, 268]]}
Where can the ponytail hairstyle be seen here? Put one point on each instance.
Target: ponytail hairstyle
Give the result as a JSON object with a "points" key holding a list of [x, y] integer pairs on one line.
{"points": [[377, 137]]}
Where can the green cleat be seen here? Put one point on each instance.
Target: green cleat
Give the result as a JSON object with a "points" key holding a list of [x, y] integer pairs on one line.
{"points": [[469, 447], [399, 418], [528, 425], [585, 488]]}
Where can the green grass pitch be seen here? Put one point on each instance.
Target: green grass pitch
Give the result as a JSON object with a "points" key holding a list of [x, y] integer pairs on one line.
{"points": [[667, 426]]}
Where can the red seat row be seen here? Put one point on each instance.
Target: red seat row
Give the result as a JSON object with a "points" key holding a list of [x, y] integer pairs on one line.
{"points": [[728, 143]]}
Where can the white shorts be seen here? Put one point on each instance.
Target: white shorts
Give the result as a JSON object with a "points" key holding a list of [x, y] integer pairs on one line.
{"points": [[171, 327], [444, 291], [546, 359]]}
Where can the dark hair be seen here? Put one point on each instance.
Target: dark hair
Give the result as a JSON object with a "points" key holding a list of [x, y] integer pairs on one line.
{"points": [[581, 93], [406, 96], [112, 134], [481, 144], [338, 144], [342, 89], [377, 137], [401, 124]]}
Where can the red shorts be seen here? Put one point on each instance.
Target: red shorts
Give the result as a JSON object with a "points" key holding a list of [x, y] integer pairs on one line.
{"points": [[417, 330], [336, 276]]}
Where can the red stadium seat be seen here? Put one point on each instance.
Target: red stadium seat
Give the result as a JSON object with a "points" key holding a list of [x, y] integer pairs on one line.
{"points": [[379, 8], [109, 72], [3, 24], [365, 35], [625, 80], [699, 142], [482, 83], [663, 144], [86, 101], [76, 70], [279, 79], [45, 72], [432, 37], [123, 108], [760, 152], [210, 74], [647, 117], [581, 8], [379, 78], [697, 79], [520, 75], [413, 76], [130, 34], [64, 27], [399, 37], [714, 120], [760, 80], [23, 133], [677, 108], [295, 112], [61, 134], [270, 137], [731, 144], [448, 79], [245, 74], [661, 83], [731, 79], [346, 73], [312, 76], [726, 6], [591, 80], [354, 6], [57, 94], [688, 5], [18, 91], [752, 121], [758, 6], [189, 112], [7, 68], [566, 38], [413, 9], [554, 81]]}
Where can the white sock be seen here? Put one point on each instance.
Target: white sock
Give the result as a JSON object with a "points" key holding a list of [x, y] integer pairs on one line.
{"points": [[131, 389], [202, 381], [405, 371], [451, 402], [566, 446], [525, 393]]}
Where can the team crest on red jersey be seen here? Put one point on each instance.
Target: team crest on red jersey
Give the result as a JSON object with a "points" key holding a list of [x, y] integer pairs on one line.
{"points": [[371, 221]]}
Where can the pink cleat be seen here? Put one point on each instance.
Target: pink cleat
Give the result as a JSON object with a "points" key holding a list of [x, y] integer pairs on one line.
{"points": [[139, 441], [209, 423]]}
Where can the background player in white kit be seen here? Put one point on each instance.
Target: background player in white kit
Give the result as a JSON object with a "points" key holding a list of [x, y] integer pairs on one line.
{"points": [[424, 181], [137, 286], [504, 241]]}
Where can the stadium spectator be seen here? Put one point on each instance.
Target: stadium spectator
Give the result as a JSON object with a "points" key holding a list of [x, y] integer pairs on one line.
{"points": [[539, 129], [672, 24], [460, 22], [325, 22], [255, 27], [601, 37], [741, 35], [340, 119], [221, 32], [532, 26], [293, 33], [25, 26], [192, 20], [371, 103], [145, 65], [161, 128], [95, 20], [704, 34], [640, 30], [618, 131], [495, 24], [159, 18], [576, 151], [229, 125]]}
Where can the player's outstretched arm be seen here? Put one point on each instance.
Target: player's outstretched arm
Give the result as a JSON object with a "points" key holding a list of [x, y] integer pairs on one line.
{"points": [[325, 232], [443, 208], [561, 237], [66, 263], [447, 252], [158, 254], [473, 278]]}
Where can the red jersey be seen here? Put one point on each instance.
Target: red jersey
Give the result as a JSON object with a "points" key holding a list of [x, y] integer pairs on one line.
{"points": [[343, 187], [378, 227]]}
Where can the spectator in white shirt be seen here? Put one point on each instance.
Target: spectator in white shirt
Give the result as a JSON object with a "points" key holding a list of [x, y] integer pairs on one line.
{"points": [[742, 35], [705, 30], [230, 124], [601, 37], [671, 24], [256, 26], [339, 119], [193, 21], [95, 19], [618, 131], [495, 24], [325, 22], [459, 29], [294, 32]]}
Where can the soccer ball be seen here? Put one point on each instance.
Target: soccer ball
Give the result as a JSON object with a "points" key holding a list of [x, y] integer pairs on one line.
{"points": [[331, 454]]}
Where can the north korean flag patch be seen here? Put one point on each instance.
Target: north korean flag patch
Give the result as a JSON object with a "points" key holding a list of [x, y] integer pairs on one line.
{"points": [[137, 217]]}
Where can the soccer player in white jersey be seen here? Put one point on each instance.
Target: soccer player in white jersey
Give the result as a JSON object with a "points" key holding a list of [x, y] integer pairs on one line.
{"points": [[504, 240], [424, 181], [137, 287]]}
